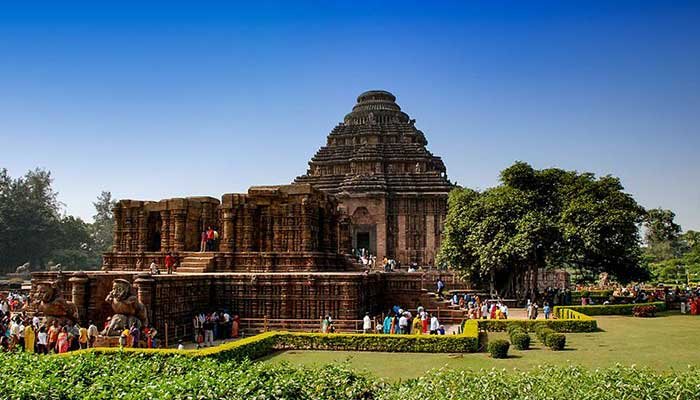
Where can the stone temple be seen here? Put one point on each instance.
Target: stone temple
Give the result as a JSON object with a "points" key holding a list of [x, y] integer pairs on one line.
{"points": [[395, 191], [284, 252]]}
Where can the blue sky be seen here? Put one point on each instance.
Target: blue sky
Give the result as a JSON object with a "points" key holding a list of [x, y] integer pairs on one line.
{"points": [[176, 99]]}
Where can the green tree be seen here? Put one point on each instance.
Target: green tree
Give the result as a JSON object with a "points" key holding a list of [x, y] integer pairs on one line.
{"points": [[542, 219], [29, 218], [102, 228], [662, 235]]}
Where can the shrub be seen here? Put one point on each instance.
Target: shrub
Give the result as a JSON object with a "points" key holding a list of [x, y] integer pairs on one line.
{"points": [[572, 322], [644, 311], [611, 309], [499, 348], [555, 341], [542, 334], [521, 340]]}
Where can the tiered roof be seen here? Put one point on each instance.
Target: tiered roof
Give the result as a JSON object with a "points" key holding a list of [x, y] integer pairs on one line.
{"points": [[376, 149]]}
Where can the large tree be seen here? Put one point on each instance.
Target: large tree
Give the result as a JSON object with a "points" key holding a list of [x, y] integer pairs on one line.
{"points": [[541, 219], [33, 229]]}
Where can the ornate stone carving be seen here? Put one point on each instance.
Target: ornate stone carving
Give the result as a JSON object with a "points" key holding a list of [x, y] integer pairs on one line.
{"points": [[49, 302], [128, 310]]}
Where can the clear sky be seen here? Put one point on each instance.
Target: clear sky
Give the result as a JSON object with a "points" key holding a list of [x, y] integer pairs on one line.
{"points": [[174, 99]]}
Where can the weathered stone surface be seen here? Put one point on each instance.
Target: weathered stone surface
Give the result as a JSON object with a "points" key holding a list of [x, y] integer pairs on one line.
{"points": [[395, 191]]}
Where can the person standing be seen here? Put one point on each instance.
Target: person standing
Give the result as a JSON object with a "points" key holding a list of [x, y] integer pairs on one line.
{"points": [[547, 310], [235, 325], [210, 238], [42, 341], [434, 325], [92, 333], [440, 287], [403, 324], [83, 337], [53, 336], [63, 341], [208, 332], [169, 263], [366, 324], [29, 336], [135, 336]]}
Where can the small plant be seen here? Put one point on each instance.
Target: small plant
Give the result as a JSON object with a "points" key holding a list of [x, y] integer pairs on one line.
{"points": [[555, 341], [521, 340], [499, 348]]}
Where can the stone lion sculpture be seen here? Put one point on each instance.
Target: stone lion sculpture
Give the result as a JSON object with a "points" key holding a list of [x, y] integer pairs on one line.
{"points": [[49, 301], [127, 308], [23, 269], [55, 268]]}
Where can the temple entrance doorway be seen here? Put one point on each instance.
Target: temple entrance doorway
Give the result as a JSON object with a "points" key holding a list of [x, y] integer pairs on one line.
{"points": [[154, 225], [363, 240]]}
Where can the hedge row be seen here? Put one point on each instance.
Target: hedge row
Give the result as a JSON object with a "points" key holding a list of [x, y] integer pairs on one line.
{"points": [[263, 344], [612, 309], [573, 323], [389, 343]]}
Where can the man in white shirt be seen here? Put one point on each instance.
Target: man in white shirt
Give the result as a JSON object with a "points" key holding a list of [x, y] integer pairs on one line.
{"points": [[434, 325], [403, 324], [367, 324]]}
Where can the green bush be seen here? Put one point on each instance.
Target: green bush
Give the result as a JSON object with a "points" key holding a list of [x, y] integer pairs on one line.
{"points": [[520, 340], [499, 348], [555, 341], [542, 334], [612, 309]]}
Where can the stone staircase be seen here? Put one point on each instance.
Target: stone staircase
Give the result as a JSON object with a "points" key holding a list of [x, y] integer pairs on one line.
{"points": [[197, 263]]}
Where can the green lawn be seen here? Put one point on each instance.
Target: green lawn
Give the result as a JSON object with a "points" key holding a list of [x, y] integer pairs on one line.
{"points": [[662, 343]]}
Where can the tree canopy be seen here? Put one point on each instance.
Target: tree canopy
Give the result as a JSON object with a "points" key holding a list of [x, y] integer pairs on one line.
{"points": [[33, 228], [542, 219]]}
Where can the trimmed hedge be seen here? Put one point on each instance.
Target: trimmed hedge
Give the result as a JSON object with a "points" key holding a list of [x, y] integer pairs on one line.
{"points": [[374, 342], [521, 340], [581, 324], [612, 309], [499, 348], [265, 343], [555, 341]]}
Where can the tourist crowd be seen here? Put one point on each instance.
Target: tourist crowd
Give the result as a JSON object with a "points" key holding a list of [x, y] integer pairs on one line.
{"points": [[208, 327], [403, 322]]}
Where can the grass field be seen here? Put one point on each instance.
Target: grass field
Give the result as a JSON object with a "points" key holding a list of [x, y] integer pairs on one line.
{"points": [[662, 343]]}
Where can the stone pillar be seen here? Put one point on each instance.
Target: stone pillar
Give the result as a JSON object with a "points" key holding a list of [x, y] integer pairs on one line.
{"points": [[227, 231], [78, 284], [401, 240], [178, 243], [145, 286], [117, 211], [143, 232], [430, 247], [165, 231], [306, 235]]}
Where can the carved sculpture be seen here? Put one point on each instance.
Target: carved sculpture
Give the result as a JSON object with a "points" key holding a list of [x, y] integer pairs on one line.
{"points": [[55, 268], [127, 308], [603, 280], [49, 301], [23, 269]]}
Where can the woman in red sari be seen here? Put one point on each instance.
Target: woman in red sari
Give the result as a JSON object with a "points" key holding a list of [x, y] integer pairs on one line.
{"points": [[63, 342]]}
